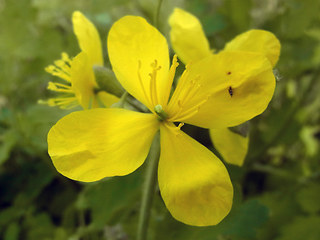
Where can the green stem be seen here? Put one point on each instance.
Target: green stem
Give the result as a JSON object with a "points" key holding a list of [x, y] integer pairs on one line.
{"points": [[274, 171], [149, 188], [123, 99], [134, 103], [157, 14]]}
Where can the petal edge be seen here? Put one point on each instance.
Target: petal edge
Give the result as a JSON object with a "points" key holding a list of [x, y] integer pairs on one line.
{"points": [[92, 144], [194, 183]]}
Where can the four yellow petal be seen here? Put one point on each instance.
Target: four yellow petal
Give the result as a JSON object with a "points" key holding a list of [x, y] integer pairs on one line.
{"points": [[187, 36], [136, 49], [232, 146], [92, 144], [215, 91], [194, 183]]}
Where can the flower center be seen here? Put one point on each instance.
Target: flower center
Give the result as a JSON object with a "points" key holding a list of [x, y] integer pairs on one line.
{"points": [[160, 112]]}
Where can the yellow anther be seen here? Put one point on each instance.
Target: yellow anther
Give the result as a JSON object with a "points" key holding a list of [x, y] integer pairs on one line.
{"points": [[153, 82], [64, 103], [59, 87], [180, 125], [62, 68]]}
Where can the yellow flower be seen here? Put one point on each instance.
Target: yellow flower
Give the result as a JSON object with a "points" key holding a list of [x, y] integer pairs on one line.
{"points": [[194, 184], [79, 87], [190, 43]]}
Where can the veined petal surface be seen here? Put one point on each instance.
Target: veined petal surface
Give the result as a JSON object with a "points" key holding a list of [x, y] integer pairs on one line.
{"points": [[187, 36], [134, 46], [228, 89], [194, 183], [232, 146], [257, 41], [88, 38], [92, 144]]}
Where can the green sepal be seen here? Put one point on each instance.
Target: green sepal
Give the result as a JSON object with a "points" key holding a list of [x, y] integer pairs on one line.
{"points": [[107, 81]]}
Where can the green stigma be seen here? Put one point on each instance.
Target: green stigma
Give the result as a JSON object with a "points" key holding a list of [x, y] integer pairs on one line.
{"points": [[162, 114]]}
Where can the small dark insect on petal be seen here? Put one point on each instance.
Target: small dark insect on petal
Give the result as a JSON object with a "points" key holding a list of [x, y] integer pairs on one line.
{"points": [[228, 73], [230, 90]]}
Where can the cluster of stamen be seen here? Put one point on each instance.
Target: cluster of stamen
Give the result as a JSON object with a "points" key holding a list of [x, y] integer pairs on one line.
{"points": [[61, 69], [186, 91], [152, 98]]}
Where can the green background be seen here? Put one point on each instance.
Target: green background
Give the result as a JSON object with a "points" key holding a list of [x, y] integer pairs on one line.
{"points": [[277, 191]]}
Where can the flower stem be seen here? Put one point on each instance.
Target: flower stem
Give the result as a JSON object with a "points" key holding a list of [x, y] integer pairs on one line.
{"points": [[149, 188], [157, 14]]}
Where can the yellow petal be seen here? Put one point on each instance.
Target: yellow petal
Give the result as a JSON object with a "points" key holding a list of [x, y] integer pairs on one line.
{"points": [[107, 99], [133, 46], [187, 36], [223, 90], [194, 183], [88, 38], [232, 146], [257, 41], [83, 81], [92, 144]]}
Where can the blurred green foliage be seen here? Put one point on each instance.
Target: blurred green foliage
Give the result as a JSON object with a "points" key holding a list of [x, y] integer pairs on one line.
{"points": [[277, 191]]}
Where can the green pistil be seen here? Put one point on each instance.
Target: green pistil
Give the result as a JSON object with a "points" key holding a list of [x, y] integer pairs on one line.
{"points": [[162, 114]]}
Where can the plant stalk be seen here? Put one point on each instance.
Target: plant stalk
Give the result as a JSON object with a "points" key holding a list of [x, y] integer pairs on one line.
{"points": [[149, 188], [157, 14]]}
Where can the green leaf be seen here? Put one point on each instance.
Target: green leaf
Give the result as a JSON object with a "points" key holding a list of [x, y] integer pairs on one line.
{"points": [[106, 198], [39, 226], [7, 141], [307, 135], [309, 198], [282, 209], [241, 223], [12, 232], [246, 220], [239, 12], [35, 124], [302, 228], [298, 17], [9, 214]]}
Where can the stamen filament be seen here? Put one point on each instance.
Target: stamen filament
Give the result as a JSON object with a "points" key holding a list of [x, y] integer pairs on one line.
{"points": [[188, 113], [171, 75], [58, 73], [63, 66], [141, 83], [153, 82], [59, 87], [176, 95], [193, 90], [65, 103], [173, 128]]}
